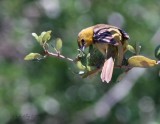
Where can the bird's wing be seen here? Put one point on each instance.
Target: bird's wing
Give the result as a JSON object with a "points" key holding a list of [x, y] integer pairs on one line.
{"points": [[103, 35], [109, 34]]}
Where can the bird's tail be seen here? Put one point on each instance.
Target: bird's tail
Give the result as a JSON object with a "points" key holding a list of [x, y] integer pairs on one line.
{"points": [[107, 70]]}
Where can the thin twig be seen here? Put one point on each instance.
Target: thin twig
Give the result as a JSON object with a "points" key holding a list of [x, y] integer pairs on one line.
{"points": [[122, 66], [58, 56], [69, 59]]}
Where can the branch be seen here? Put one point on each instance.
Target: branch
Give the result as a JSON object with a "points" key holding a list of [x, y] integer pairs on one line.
{"points": [[58, 56]]}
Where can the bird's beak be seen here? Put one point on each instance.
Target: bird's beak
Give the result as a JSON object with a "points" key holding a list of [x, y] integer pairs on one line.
{"points": [[82, 48]]}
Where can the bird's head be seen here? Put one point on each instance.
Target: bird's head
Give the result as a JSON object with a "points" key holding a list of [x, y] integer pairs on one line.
{"points": [[85, 38]]}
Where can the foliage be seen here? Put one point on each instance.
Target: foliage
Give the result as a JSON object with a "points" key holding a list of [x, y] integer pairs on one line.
{"points": [[49, 91], [91, 62]]}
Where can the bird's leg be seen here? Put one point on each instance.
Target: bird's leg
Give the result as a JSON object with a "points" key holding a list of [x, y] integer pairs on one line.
{"points": [[120, 54]]}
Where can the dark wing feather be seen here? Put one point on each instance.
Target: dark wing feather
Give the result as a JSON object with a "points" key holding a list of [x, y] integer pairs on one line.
{"points": [[103, 33], [104, 36], [124, 34]]}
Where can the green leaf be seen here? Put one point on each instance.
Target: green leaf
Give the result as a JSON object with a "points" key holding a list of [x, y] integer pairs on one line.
{"points": [[88, 55], [88, 68], [80, 65], [131, 49], [33, 56], [46, 36], [83, 59], [40, 40], [35, 36], [43, 33], [81, 53], [58, 44], [157, 52]]}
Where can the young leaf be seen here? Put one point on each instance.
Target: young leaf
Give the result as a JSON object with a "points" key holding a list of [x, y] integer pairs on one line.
{"points": [[40, 40], [141, 61], [88, 68], [58, 44], [46, 36], [43, 33], [33, 56], [88, 55], [131, 49], [80, 65], [35, 36]]}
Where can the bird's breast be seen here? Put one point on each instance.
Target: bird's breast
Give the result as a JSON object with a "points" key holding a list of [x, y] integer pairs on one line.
{"points": [[102, 47]]}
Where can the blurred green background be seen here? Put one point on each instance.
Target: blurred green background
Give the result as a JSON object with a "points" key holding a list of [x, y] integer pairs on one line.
{"points": [[50, 91]]}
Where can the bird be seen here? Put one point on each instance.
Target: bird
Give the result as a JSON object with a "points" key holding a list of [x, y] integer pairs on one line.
{"points": [[110, 40]]}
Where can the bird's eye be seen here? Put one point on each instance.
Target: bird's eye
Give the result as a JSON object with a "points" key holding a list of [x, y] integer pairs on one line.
{"points": [[83, 42]]}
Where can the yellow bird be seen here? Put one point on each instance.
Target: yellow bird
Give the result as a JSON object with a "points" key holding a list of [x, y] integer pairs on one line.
{"points": [[111, 41]]}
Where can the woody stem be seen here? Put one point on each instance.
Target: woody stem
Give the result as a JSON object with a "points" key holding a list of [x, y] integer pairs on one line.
{"points": [[58, 55]]}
